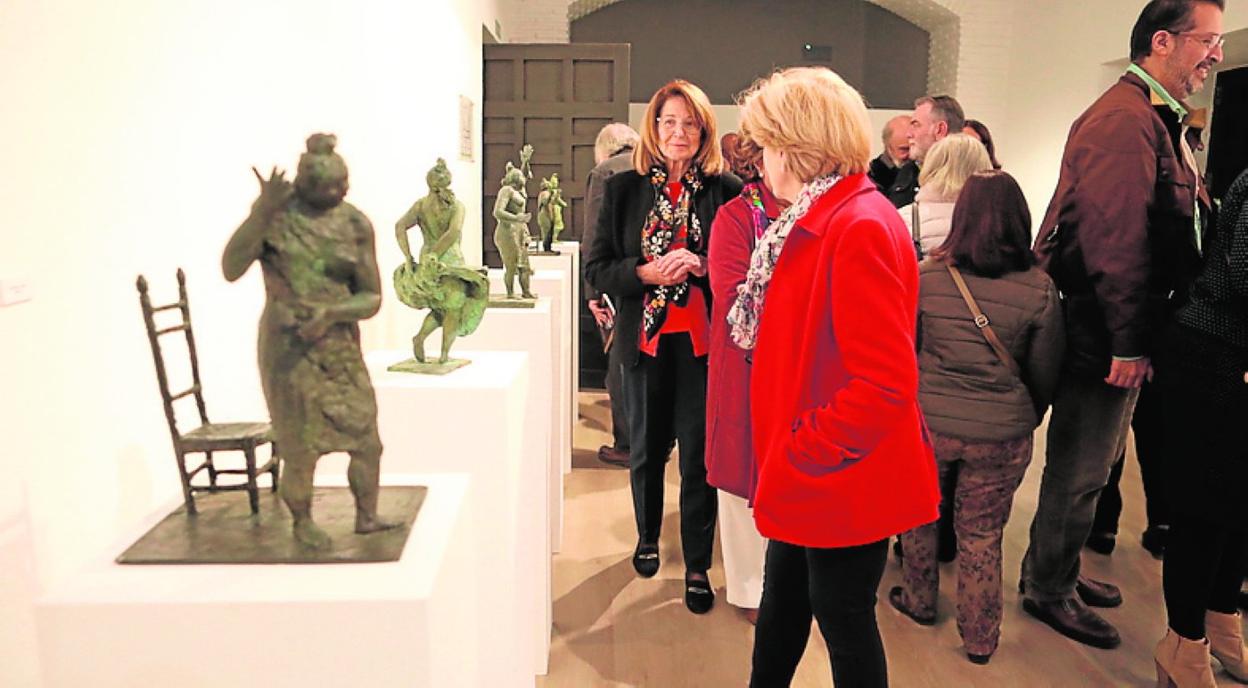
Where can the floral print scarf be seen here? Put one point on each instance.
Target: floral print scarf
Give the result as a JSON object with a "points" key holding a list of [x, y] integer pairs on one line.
{"points": [[663, 225], [745, 314]]}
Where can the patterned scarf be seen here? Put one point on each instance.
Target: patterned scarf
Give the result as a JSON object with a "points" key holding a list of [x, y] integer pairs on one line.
{"points": [[663, 225], [758, 212], [748, 309]]}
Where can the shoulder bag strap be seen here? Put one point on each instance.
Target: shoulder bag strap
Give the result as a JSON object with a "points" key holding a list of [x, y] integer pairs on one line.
{"points": [[915, 222], [981, 321]]}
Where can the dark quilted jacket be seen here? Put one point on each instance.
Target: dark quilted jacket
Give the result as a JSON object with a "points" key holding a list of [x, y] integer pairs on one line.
{"points": [[964, 389]]}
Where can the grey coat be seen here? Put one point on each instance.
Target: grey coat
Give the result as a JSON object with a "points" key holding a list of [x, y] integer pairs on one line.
{"points": [[595, 187], [964, 389]]}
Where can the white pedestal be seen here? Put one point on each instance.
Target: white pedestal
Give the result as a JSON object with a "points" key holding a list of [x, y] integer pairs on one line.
{"points": [[572, 249], [479, 419], [530, 330], [555, 285], [405, 623]]}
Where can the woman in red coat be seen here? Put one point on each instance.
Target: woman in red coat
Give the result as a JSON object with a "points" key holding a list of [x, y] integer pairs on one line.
{"points": [[829, 308], [730, 464]]}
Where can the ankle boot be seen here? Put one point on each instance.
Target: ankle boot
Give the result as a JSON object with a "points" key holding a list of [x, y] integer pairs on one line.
{"points": [[1183, 663], [1226, 643]]}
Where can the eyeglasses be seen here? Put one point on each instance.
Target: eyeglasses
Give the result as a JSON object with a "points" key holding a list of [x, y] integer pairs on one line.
{"points": [[669, 124], [1211, 41]]}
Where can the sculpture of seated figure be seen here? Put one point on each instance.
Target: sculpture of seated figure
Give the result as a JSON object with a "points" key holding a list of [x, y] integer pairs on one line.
{"points": [[456, 295], [321, 279]]}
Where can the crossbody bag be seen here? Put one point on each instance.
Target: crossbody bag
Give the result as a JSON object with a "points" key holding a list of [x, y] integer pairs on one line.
{"points": [[981, 322]]}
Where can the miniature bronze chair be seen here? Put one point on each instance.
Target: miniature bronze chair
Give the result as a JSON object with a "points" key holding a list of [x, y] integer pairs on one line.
{"points": [[208, 437]]}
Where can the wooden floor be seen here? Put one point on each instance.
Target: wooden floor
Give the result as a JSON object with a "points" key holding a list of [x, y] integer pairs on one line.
{"points": [[615, 629]]}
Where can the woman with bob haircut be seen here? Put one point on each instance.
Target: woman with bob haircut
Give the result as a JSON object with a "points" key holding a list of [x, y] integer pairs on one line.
{"points": [[984, 386], [649, 253], [827, 309], [978, 130], [949, 163]]}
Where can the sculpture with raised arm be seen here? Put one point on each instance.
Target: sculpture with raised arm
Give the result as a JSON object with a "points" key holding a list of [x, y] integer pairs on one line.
{"points": [[321, 279]]}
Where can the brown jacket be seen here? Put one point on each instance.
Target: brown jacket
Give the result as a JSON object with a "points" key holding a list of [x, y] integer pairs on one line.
{"points": [[964, 389], [1118, 236]]}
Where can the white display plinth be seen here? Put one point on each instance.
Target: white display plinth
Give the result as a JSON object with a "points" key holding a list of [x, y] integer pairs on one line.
{"points": [[530, 330], [572, 249], [477, 419], [554, 284], [407, 623]]}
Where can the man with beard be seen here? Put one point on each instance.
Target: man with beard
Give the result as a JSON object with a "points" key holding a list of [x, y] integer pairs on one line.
{"points": [[1122, 240], [934, 118]]}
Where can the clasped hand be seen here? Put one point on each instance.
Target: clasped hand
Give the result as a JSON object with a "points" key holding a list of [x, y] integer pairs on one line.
{"points": [[675, 267]]}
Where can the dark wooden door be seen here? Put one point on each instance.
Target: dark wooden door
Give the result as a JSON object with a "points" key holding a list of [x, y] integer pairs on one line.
{"points": [[555, 98]]}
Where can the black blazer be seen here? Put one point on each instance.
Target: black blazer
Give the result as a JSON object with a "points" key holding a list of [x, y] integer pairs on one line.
{"points": [[615, 253]]}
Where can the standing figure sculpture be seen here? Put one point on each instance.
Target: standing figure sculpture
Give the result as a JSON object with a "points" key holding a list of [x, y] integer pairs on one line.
{"points": [[550, 205], [455, 294], [321, 279], [511, 236]]}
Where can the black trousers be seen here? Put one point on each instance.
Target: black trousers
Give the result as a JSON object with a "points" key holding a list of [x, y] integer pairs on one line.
{"points": [[620, 432], [1147, 423], [836, 586], [666, 398], [1204, 567]]}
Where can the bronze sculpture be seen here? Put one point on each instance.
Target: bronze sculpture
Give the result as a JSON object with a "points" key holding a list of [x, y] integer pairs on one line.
{"points": [[321, 279], [550, 205], [511, 236], [455, 294]]}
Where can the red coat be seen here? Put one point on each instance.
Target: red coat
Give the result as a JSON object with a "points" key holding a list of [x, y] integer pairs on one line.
{"points": [[730, 464], [843, 454]]}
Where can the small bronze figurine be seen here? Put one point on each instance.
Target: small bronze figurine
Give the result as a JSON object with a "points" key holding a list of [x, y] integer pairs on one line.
{"points": [[550, 205], [321, 279], [511, 236], [455, 294]]}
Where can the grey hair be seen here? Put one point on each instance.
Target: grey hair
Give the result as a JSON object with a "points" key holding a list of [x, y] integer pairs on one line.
{"points": [[614, 138]]}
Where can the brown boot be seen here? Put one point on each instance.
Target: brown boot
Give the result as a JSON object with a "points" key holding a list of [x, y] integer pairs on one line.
{"points": [[1226, 643], [1183, 663]]}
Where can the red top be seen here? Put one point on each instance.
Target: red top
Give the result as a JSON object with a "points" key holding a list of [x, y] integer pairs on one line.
{"points": [[844, 457], [730, 464], [690, 317]]}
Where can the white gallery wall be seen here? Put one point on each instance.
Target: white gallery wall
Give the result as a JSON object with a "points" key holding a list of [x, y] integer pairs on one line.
{"points": [[129, 128]]}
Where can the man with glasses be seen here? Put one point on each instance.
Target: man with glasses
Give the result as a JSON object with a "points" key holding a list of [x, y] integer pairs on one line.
{"points": [[1122, 240]]}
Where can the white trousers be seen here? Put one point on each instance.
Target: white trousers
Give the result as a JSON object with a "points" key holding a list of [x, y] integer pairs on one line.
{"points": [[744, 551]]}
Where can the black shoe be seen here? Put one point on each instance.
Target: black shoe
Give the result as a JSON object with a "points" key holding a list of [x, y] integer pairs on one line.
{"points": [[699, 597], [1073, 619], [646, 559], [896, 597], [1101, 543], [978, 659], [612, 456], [1154, 540], [1096, 593]]}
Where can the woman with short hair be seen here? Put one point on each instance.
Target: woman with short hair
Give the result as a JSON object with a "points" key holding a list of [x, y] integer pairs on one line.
{"points": [[949, 163], [649, 254], [984, 385], [827, 309]]}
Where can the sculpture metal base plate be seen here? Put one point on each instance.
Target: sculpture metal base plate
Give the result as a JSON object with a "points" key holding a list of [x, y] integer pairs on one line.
{"points": [[226, 532], [542, 252], [503, 301], [411, 365]]}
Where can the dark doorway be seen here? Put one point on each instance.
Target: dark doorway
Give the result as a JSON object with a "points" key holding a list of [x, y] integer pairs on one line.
{"points": [[1228, 138]]}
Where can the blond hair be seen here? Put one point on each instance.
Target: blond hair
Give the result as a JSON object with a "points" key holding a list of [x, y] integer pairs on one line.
{"points": [[708, 155], [949, 163], [814, 117]]}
